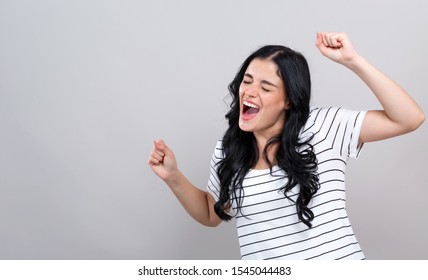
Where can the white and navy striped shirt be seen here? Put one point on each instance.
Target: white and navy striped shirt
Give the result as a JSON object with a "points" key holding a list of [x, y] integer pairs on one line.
{"points": [[269, 228]]}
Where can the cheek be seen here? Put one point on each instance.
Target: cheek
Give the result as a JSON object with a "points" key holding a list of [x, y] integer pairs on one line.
{"points": [[240, 93], [242, 89], [274, 102], [274, 109]]}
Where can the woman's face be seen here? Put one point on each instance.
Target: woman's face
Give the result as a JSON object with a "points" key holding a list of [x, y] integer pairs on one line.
{"points": [[263, 100]]}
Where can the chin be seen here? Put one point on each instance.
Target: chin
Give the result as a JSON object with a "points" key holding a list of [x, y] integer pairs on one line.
{"points": [[245, 126]]}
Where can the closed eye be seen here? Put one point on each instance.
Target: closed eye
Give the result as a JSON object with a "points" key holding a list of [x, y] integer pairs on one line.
{"points": [[248, 79]]}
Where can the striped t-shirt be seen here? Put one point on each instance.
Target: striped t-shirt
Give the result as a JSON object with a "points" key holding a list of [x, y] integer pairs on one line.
{"points": [[269, 227]]}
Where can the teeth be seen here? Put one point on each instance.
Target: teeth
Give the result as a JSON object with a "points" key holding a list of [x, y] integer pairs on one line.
{"points": [[250, 105]]}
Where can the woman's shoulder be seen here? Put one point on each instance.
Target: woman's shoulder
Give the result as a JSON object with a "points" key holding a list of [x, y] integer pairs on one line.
{"points": [[315, 111], [322, 114], [315, 114], [319, 116], [218, 150]]}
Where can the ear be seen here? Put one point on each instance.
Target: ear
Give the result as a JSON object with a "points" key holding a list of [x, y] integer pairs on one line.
{"points": [[287, 105]]}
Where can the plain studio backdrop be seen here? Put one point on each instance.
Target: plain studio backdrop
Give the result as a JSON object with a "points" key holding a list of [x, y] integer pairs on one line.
{"points": [[86, 86]]}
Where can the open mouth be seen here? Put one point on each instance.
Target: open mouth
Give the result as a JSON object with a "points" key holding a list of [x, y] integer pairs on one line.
{"points": [[249, 110]]}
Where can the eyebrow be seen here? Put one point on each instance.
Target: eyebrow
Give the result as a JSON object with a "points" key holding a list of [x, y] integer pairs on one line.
{"points": [[262, 81]]}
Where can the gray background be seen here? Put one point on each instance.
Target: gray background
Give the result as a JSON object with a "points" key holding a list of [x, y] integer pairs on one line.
{"points": [[86, 86]]}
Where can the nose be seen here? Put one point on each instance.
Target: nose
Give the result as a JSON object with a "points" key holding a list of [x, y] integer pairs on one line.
{"points": [[251, 91]]}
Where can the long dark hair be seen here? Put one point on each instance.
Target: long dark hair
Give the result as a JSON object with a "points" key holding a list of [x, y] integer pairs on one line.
{"points": [[295, 156]]}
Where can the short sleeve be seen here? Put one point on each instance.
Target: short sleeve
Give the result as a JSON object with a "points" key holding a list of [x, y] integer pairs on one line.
{"points": [[213, 186], [341, 128]]}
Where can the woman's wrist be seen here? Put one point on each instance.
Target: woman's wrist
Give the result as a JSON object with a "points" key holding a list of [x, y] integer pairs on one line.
{"points": [[356, 63], [173, 180]]}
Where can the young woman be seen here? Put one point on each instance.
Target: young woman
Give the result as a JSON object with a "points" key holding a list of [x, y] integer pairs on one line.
{"points": [[280, 167]]}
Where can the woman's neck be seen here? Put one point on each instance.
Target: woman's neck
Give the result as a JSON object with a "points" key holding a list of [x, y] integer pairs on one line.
{"points": [[271, 153]]}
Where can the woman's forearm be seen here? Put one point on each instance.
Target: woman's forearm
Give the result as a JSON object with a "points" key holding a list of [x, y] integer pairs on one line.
{"points": [[199, 204]]}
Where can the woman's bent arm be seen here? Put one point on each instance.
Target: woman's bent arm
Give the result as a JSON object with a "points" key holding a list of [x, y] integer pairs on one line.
{"points": [[400, 114], [199, 204]]}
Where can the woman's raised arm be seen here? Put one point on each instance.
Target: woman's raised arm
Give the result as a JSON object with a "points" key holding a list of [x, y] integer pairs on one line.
{"points": [[400, 114]]}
